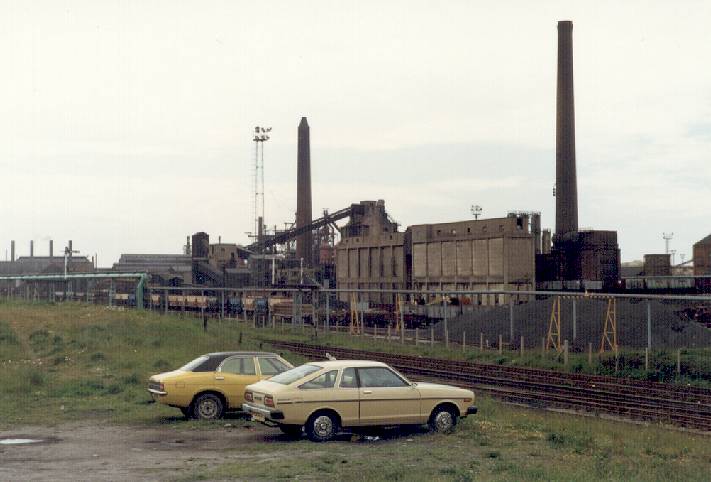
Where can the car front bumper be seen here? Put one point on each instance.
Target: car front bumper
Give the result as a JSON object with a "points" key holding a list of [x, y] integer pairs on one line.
{"points": [[261, 412]]}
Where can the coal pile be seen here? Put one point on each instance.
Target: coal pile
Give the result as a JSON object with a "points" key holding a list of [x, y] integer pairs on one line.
{"points": [[670, 327]]}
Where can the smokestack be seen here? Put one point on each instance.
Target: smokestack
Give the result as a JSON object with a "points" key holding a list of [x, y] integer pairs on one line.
{"points": [[70, 248], [32, 248], [566, 195], [304, 244], [12, 250], [51, 248]]}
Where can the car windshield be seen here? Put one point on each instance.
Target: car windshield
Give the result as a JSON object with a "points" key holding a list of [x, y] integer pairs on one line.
{"points": [[188, 367], [290, 376]]}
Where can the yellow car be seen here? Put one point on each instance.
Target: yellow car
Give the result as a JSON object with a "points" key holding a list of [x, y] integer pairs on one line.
{"points": [[323, 397], [214, 383]]}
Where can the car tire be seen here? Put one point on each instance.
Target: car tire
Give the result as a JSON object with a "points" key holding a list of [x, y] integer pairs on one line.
{"points": [[208, 406], [186, 411], [321, 427], [293, 431], [443, 420]]}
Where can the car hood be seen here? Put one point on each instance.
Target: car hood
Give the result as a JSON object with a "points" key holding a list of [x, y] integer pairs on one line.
{"points": [[435, 389]]}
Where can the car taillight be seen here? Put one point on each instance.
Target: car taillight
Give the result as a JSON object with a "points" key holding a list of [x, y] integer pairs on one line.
{"points": [[269, 401], [161, 387], [248, 396]]}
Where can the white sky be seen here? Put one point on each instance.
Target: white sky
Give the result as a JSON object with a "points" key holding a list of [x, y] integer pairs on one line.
{"points": [[126, 125]]}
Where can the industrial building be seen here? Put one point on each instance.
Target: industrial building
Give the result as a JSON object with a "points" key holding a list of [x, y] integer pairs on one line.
{"points": [[702, 257], [49, 264], [165, 269], [480, 255], [371, 254]]}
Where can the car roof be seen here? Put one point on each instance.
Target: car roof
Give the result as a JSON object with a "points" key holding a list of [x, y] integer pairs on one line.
{"points": [[225, 354], [348, 363]]}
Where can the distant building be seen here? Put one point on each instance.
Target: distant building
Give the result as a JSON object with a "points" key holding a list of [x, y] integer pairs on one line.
{"points": [[479, 255], [27, 265], [371, 254], [657, 265], [165, 269], [702, 257]]}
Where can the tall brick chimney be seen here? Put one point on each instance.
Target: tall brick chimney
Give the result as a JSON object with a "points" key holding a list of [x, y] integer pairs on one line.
{"points": [[304, 243], [566, 200]]}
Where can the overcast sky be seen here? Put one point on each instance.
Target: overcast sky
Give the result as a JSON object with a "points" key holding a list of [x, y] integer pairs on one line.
{"points": [[126, 125]]}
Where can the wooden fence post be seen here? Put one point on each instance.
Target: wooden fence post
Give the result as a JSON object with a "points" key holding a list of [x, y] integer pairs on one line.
{"points": [[565, 354], [590, 354], [646, 359]]}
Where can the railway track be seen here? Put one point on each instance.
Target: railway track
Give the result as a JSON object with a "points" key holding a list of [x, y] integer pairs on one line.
{"points": [[688, 407]]}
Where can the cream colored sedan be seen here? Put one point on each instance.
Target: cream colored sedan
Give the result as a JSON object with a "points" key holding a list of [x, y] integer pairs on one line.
{"points": [[324, 397]]}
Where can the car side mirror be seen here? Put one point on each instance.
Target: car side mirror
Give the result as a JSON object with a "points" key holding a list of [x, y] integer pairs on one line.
{"points": [[413, 385]]}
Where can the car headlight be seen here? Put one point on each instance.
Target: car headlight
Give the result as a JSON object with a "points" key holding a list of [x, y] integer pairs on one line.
{"points": [[269, 401], [249, 396]]}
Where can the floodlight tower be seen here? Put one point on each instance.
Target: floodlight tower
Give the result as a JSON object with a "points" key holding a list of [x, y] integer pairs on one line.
{"points": [[667, 237], [476, 211], [261, 135]]}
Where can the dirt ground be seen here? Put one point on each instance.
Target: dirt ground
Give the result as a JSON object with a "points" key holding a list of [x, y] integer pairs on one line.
{"points": [[97, 452]]}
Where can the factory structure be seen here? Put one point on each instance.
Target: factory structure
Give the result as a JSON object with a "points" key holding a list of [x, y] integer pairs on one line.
{"points": [[368, 250]]}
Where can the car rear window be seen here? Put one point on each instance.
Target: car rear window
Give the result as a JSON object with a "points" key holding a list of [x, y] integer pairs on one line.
{"points": [[325, 380], [188, 367], [290, 376], [203, 364], [271, 366]]}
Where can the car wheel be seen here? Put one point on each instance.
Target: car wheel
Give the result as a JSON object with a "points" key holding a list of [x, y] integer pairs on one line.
{"points": [[322, 427], [186, 411], [291, 430], [208, 407], [443, 420]]}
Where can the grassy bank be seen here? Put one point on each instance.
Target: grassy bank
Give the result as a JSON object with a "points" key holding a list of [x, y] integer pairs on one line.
{"points": [[69, 361]]}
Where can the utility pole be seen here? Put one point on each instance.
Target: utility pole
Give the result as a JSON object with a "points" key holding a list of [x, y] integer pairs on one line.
{"points": [[68, 254]]}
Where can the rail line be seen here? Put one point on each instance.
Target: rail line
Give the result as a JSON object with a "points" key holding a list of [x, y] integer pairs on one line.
{"points": [[688, 407]]}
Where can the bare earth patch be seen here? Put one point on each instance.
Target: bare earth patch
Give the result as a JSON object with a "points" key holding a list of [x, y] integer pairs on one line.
{"points": [[94, 451]]}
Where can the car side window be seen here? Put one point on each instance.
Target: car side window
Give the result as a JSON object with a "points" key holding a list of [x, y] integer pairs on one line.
{"points": [[239, 366], [379, 377], [271, 366], [325, 380], [348, 379]]}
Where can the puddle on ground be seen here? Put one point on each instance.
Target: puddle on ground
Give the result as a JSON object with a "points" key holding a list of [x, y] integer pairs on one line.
{"points": [[19, 441]]}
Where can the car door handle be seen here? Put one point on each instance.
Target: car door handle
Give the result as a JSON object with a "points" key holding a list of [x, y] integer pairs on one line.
{"points": [[219, 378], [367, 392]]}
